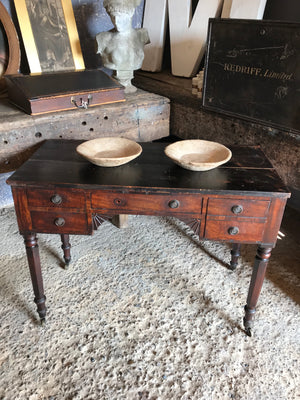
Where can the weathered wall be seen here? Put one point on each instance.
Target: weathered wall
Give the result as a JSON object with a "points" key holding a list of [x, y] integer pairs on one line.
{"points": [[91, 18]]}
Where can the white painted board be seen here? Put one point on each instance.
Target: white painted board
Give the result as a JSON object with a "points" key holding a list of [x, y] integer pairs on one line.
{"points": [[155, 21], [244, 9], [188, 33]]}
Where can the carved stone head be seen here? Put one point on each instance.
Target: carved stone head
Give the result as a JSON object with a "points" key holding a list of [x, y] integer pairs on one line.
{"points": [[120, 6]]}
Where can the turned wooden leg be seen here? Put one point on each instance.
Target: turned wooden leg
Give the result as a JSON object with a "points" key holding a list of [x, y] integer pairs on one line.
{"points": [[66, 248], [235, 253], [33, 258], [259, 270]]}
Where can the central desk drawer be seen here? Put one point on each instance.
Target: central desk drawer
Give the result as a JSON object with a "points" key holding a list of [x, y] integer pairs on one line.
{"points": [[139, 203], [57, 222], [56, 198]]}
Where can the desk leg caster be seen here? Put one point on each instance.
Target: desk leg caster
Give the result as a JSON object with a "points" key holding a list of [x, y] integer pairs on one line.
{"points": [[41, 309], [248, 332], [235, 253], [66, 267], [66, 246], [258, 274], [248, 320]]}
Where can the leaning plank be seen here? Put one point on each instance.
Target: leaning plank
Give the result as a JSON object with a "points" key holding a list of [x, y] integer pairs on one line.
{"points": [[188, 34], [155, 21], [247, 9]]}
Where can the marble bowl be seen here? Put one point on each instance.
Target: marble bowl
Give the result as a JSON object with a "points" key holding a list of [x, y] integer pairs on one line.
{"points": [[198, 155], [109, 151]]}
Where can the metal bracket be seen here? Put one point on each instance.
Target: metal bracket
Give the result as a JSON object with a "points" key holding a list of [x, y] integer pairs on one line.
{"points": [[83, 103]]}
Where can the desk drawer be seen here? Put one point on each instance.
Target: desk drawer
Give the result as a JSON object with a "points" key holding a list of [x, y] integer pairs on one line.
{"points": [[56, 198], [240, 207], [241, 229], [53, 222], [139, 203]]}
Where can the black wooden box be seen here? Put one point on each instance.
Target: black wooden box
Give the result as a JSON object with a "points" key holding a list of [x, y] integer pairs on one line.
{"points": [[49, 92], [252, 71]]}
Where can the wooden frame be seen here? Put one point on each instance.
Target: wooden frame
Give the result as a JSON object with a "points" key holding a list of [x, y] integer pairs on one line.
{"points": [[13, 57], [50, 35]]}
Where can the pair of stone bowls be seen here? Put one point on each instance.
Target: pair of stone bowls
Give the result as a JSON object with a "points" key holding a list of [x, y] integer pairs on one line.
{"points": [[194, 155]]}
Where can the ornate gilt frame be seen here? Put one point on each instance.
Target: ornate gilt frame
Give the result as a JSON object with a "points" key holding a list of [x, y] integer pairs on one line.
{"points": [[29, 41]]}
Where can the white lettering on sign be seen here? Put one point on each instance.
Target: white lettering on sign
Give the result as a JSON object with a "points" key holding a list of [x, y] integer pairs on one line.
{"points": [[257, 71]]}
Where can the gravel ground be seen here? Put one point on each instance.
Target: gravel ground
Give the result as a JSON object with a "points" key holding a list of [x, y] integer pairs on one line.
{"points": [[147, 312]]}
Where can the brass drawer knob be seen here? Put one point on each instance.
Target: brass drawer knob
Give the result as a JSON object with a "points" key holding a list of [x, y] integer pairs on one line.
{"points": [[59, 221], [56, 199], [237, 209], [173, 204], [233, 230]]}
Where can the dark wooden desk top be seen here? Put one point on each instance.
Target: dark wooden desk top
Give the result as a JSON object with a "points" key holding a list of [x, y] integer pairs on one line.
{"points": [[57, 191], [56, 162]]}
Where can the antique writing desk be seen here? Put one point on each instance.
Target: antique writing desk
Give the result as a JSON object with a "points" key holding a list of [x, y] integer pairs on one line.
{"points": [[57, 191]]}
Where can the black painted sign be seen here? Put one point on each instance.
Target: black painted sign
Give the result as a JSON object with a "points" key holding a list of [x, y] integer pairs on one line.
{"points": [[252, 71]]}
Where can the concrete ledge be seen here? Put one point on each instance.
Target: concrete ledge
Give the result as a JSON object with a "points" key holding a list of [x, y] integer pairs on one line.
{"points": [[142, 117]]}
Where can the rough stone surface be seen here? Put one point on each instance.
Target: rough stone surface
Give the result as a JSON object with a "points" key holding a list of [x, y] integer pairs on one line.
{"points": [[142, 117], [148, 312]]}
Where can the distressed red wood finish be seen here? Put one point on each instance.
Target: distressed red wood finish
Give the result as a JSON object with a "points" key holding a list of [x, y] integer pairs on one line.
{"points": [[57, 191]]}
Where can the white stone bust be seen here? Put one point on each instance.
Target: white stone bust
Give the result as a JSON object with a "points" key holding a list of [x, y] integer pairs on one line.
{"points": [[122, 48]]}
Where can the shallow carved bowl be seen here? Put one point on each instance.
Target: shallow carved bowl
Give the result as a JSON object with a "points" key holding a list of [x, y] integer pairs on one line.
{"points": [[198, 155], [109, 151]]}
